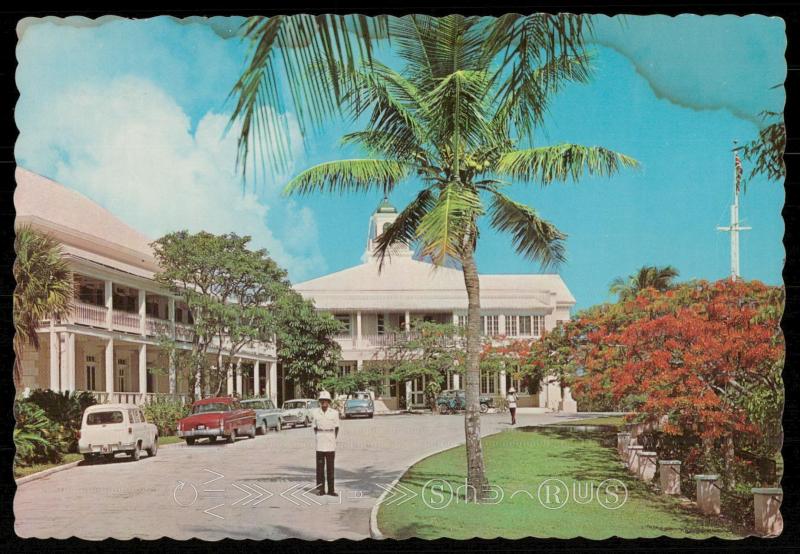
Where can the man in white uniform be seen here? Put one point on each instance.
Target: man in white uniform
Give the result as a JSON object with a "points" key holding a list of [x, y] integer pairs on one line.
{"points": [[511, 399], [326, 429]]}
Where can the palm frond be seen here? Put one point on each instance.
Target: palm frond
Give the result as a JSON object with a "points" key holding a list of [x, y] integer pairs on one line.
{"points": [[349, 176], [558, 163], [404, 229], [307, 52], [532, 236], [449, 226]]}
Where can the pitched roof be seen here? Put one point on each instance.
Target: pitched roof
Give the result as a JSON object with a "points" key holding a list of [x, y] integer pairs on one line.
{"points": [[405, 283], [78, 222]]}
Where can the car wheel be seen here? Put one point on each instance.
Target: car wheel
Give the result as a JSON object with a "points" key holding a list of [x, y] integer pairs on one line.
{"points": [[230, 439], [262, 429], [190, 441], [89, 458], [442, 409], [153, 450], [484, 408], [252, 433], [279, 426], [108, 457], [370, 416], [136, 453]]}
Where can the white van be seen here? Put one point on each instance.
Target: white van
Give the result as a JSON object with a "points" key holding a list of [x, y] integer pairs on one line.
{"points": [[108, 429]]}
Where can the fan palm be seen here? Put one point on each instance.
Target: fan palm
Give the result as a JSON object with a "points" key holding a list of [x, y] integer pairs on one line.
{"points": [[659, 278], [44, 288], [452, 123]]}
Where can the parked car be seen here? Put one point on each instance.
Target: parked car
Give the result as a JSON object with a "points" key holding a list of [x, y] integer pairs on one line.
{"points": [[267, 415], [108, 429], [219, 417], [358, 407], [298, 411], [455, 400]]}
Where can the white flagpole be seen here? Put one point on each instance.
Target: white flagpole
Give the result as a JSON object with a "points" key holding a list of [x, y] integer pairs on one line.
{"points": [[734, 226]]}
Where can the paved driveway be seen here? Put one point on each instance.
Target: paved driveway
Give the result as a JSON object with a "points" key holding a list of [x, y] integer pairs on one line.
{"points": [[251, 489]]}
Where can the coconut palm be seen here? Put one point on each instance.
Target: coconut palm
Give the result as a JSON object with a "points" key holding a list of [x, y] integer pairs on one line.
{"points": [[299, 63], [648, 276], [44, 288], [452, 125]]}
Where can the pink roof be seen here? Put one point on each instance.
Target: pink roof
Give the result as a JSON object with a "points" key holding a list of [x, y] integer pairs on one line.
{"points": [[75, 219]]}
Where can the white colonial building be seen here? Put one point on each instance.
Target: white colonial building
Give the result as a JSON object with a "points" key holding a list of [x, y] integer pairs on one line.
{"points": [[374, 305], [109, 344]]}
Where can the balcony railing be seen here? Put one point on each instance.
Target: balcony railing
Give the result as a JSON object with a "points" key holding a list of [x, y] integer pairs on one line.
{"points": [[125, 321], [183, 332], [89, 314], [155, 326], [137, 398]]}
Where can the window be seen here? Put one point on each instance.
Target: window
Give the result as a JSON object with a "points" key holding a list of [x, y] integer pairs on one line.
{"points": [[381, 325], [211, 407], [462, 321], [91, 373], [104, 418], [122, 366], [345, 370], [490, 325], [488, 383], [141, 417], [511, 325], [538, 325], [133, 416], [344, 319]]}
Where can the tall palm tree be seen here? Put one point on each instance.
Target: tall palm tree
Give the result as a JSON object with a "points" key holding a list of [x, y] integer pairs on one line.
{"points": [[451, 124], [648, 276], [298, 63], [44, 289]]}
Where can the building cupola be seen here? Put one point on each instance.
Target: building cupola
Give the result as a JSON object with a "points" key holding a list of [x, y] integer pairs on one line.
{"points": [[384, 216]]}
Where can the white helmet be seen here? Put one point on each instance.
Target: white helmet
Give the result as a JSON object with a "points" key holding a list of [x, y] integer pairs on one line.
{"points": [[511, 390], [324, 395]]}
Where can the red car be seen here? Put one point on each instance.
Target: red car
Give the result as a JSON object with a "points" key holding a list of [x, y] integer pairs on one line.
{"points": [[218, 417]]}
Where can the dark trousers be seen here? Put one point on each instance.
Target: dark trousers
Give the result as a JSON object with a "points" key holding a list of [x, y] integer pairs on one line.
{"points": [[325, 467], [513, 416]]}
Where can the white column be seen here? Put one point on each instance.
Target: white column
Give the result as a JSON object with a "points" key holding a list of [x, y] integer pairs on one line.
{"points": [[456, 381], [142, 369], [408, 321], [359, 365], [173, 376], [109, 294], [229, 384], [256, 383], [55, 359], [171, 310], [501, 325], [109, 366], [408, 395], [70, 361], [239, 376], [358, 328], [142, 312], [273, 382], [503, 383]]}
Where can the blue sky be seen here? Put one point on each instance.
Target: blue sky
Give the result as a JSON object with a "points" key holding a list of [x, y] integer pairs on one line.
{"points": [[133, 113]]}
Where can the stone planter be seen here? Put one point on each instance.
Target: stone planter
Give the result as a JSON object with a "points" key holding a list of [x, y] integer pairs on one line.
{"points": [[622, 443], [767, 504], [633, 458], [669, 475], [708, 494], [646, 469]]}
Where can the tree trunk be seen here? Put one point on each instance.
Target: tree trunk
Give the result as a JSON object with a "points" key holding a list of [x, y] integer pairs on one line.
{"points": [[476, 472]]}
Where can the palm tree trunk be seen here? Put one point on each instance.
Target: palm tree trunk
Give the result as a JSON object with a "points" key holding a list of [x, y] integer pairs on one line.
{"points": [[476, 472]]}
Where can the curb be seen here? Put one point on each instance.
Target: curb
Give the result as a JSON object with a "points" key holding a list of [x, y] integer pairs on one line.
{"points": [[49, 471]]}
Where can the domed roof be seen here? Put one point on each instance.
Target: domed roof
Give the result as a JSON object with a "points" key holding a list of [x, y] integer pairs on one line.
{"points": [[385, 207]]}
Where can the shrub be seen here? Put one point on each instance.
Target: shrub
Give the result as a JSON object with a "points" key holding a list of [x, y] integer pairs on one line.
{"points": [[65, 409], [37, 438], [165, 414]]}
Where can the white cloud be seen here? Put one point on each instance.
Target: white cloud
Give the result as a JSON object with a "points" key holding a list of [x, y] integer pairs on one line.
{"points": [[130, 147]]}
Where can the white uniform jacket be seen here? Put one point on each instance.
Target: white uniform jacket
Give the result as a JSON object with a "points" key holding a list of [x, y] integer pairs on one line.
{"points": [[325, 425]]}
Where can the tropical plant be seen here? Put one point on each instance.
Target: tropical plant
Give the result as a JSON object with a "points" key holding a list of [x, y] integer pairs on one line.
{"points": [[648, 276], [766, 151], [44, 289], [164, 414], [314, 56], [455, 121], [36, 438], [65, 409]]}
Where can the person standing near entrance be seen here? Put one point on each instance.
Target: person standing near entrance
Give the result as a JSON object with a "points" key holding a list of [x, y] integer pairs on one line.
{"points": [[326, 430], [511, 399]]}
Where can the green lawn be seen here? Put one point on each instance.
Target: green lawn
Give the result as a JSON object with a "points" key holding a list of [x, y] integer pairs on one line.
{"points": [[612, 421], [521, 460], [24, 471]]}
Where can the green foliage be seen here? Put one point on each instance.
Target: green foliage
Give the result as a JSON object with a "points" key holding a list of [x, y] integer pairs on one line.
{"points": [[44, 288], [305, 345], [766, 152], [353, 382], [165, 414], [65, 409], [659, 278], [36, 438]]}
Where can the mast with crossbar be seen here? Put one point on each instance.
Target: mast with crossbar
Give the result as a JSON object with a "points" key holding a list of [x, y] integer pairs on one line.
{"points": [[734, 227]]}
